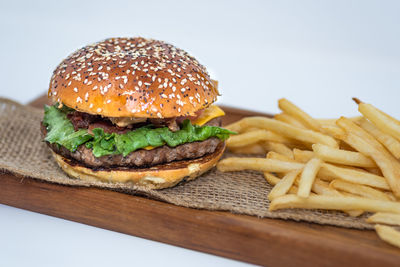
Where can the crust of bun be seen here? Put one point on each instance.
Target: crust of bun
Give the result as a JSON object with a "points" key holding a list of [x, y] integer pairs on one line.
{"points": [[132, 77], [157, 177]]}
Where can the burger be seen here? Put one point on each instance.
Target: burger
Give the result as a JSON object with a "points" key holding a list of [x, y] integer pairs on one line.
{"points": [[133, 110]]}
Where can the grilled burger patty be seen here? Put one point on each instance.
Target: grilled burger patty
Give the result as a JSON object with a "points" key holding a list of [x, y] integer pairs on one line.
{"points": [[141, 157]]}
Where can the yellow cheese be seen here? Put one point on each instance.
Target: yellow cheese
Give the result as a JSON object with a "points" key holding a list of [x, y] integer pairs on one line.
{"points": [[208, 114]]}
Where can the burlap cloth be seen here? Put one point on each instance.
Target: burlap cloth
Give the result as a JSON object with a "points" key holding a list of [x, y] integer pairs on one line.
{"points": [[23, 153]]}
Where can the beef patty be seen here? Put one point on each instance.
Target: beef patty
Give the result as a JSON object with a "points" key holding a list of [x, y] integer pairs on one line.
{"points": [[141, 157]]}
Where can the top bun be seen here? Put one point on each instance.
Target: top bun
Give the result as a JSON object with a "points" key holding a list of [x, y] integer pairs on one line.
{"points": [[132, 77]]}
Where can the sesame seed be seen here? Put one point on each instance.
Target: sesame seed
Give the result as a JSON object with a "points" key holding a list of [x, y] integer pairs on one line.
{"points": [[111, 58]]}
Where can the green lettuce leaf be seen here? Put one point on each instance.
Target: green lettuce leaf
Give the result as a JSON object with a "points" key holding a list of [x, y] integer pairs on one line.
{"points": [[61, 131]]}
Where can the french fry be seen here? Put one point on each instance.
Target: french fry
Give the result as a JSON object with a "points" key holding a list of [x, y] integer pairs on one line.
{"points": [[293, 110], [270, 178], [252, 137], [391, 143], [284, 185], [354, 176], [283, 117], [332, 130], [319, 187], [391, 196], [361, 190], [308, 176], [339, 156], [278, 156], [250, 149], [257, 164], [344, 146], [346, 164], [332, 122], [336, 132], [279, 148], [273, 180], [334, 203], [235, 127], [327, 122], [369, 146], [381, 120], [388, 234], [350, 127], [389, 165], [302, 156], [288, 130], [250, 129], [375, 171], [322, 188], [385, 218]]}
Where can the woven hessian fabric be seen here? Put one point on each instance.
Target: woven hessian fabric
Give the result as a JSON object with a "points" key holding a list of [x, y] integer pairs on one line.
{"points": [[23, 153]]}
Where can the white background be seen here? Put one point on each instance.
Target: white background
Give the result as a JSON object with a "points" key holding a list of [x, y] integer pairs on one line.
{"points": [[318, 54]]}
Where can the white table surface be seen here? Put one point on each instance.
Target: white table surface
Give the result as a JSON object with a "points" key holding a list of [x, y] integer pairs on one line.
{"points": [[318, 54]]}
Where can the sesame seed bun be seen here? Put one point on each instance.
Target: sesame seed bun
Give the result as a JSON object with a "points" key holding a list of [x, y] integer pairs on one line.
{"points": [[132, 77], [157, 177]]}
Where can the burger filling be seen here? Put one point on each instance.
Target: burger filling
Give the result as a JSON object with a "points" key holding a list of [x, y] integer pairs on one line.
{"points": [[108, 142]]}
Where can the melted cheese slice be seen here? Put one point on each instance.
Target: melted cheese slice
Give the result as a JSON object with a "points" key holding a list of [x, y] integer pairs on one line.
{"points": [[208, 114]]}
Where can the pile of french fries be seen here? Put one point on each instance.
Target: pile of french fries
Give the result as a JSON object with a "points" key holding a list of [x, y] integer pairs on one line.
{"points": [[346, 164]]}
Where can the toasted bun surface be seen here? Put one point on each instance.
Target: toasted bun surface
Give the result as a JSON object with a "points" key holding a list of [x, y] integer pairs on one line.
{"points": [[157, 177], [132, 77]]}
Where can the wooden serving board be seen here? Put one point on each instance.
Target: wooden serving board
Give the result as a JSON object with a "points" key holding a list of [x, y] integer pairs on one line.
{"points": [[268, 242]]}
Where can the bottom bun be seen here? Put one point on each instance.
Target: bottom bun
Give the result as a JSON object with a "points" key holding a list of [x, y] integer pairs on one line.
{"points": [[155, 177]]}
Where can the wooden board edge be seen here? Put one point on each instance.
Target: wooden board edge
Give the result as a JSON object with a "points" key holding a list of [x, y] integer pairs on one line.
{"points": [[239, 237]]}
